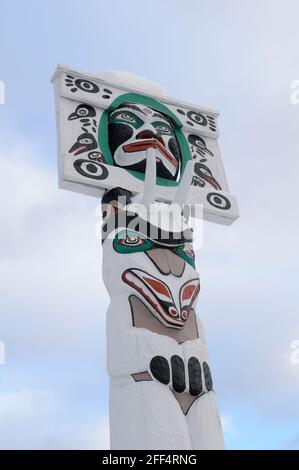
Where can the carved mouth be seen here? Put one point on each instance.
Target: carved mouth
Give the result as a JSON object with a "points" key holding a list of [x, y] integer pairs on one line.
{"points": [[141, 145]]}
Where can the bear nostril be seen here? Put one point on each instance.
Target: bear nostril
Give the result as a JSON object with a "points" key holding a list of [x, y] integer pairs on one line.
{"points": [[146, 135], [150, 135]]}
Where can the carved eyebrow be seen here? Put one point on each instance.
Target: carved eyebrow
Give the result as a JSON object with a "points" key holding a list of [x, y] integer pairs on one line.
{"points": [[132, 106], [116, 112], [160, 116], [164, 118], [125, 106]]}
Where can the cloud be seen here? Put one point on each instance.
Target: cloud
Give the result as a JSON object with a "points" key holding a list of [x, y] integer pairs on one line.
{"points": [[228, 425], [53, 302], [2, 352], [35, 419], [249, 310], [53, 307], [50, 257]]}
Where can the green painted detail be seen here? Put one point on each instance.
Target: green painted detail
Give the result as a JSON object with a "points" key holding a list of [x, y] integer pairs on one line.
{"points": [[128, 241], [154, 104], [162, 128], [180, 251], [128, 117]]}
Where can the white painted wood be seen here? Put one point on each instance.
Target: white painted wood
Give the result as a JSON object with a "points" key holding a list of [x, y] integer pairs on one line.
{"points": [[68, 131], [147, 413]]}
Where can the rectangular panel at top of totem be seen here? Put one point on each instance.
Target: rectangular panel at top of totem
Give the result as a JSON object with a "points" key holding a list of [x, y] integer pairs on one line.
{"points": [[106, 127]]}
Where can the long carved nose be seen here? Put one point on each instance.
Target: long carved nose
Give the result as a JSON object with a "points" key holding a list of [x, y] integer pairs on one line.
{"points": [[147, 134]]}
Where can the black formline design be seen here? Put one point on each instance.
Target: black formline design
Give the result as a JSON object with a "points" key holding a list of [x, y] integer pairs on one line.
{"points": [[195, 378], [178, 374], [160, 369], [163, 371], [219, 201], [86, 142], [207, 376], [75, 84], [91, 169]]}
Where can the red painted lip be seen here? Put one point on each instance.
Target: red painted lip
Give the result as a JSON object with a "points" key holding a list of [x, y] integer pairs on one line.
{"points": [[151, 143]]}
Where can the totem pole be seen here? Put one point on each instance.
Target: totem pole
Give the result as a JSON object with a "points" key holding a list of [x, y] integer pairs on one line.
{"points": [[148, 156]]}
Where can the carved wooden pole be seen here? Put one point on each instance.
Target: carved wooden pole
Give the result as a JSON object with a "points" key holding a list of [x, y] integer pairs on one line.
{"points": [[148, 156]]}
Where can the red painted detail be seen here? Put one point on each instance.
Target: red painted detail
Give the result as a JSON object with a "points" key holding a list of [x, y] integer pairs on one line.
{"points": [[161, 312], [146, 144], [157, 286], [188, 291], [173, 312]]}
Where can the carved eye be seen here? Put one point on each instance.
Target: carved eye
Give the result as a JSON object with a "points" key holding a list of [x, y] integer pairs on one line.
{"points": [[219, 201], [131, 241], [198, 118], [86, 141], [163, 129], [184, 314], [189, 252], [85, 85], [126, 117], [200, 144], [173, 312], [83, 111], [91, 169]]}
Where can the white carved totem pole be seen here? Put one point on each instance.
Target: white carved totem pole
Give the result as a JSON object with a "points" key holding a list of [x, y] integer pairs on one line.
{"points": [[122, 139]]}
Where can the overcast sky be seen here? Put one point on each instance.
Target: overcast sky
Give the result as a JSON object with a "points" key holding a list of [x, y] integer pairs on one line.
{"points": [[238, 56]]}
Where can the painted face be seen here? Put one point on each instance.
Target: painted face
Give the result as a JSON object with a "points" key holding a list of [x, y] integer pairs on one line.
{"points": [[133, 129]]}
